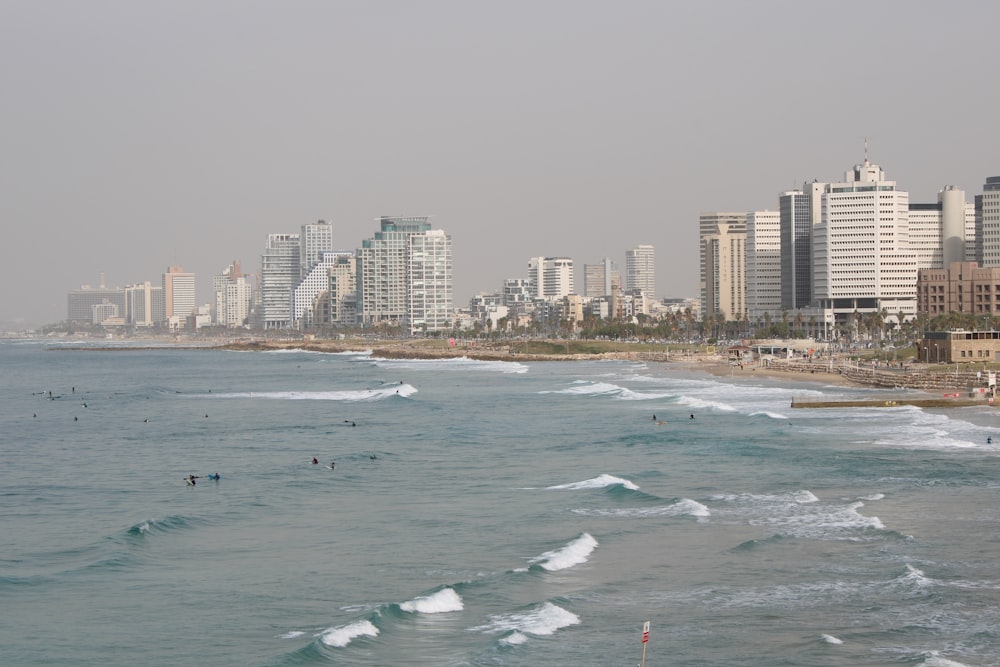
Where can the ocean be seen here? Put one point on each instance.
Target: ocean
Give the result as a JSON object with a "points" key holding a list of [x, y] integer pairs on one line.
{"points": [[481, 513]]}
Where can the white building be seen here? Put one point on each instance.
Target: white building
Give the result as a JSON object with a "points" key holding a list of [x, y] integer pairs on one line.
{"points": [[640, 270], [944, 232], [405, 276], [763, 264], [862, 257], [279, 274], [233, 296], [315, 282], [551, 277], [179, 296], [314, 240]]}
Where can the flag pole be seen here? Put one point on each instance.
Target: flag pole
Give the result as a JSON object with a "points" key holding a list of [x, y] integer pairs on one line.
{"points": [[645, 639]]}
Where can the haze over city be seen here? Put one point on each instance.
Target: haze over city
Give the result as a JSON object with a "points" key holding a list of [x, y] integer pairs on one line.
{"points": [[138, 136]]}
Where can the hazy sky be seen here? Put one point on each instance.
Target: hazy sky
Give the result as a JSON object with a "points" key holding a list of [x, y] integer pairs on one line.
{"points": [[138, 135]]}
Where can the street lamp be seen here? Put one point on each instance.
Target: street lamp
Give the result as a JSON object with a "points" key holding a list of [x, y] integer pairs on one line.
{"points": [[937, 353], [927, 359]]}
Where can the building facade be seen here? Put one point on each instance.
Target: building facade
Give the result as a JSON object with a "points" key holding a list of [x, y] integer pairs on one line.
{"points": [[640, 270], [601, 279], [709, 226], [405, 276], [551, 277], [988, 223], [179, 295], [725, 271], [763, 264], [963, 287], [279, 274], [863, 261]]}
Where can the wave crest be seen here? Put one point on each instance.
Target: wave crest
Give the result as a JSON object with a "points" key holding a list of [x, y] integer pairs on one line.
{"points": [[574, 553]]}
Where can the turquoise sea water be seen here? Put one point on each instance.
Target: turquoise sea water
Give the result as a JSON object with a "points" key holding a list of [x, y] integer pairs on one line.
{"points": [[481, 513]]}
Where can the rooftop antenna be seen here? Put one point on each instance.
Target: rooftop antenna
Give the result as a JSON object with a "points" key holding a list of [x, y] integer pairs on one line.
{"points": [[866, 150]]}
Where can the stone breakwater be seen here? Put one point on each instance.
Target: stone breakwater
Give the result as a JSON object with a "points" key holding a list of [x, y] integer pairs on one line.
{"points": [[921, 378]]}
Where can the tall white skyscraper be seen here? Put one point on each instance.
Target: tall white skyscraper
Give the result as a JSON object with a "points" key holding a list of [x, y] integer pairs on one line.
{"points": [[640, 270], [279, 274], [863, 259], [763, 264], [405, 276]]}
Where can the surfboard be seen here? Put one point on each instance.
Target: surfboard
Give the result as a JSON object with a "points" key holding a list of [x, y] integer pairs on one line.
{"points": [[190, 482], [330, 467]]}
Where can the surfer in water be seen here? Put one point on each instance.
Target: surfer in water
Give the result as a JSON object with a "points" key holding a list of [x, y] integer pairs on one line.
{"points": [[333, 465], [191, 479], [315, 460]]}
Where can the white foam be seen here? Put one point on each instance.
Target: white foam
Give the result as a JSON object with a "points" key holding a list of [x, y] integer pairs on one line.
{"points": [[935, 660], [343, 635], [874, 496], [544, 619], [452, 364], [292, 634], [445, 600], [684, 506], [598, 482], [574, 553], [772, 415], [830, 639], [514, 639], [352, 395]]}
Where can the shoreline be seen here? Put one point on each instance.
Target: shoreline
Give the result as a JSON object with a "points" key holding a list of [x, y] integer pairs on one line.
{"points": [[890, 381]]}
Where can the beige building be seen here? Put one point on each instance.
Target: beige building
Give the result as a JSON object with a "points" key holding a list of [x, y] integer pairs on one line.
{"points": [[725, 271], [944, 347], [964, 287]]}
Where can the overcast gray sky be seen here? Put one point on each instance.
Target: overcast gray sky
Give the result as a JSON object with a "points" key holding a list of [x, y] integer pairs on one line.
{"points": [[138, 135]]}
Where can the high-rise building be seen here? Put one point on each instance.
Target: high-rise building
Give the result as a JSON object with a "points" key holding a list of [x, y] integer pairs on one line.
{"points": [[709, 225], [640, 271], [233, 296], [343, 291], [601, 279], [145, 305], [551, 277], [942, 233], [405, 276], [429, 306], [988, 223], [314, 240], [763, 264], [179, 295], [80, 303], [315, 282], [799, 210], [725, 270], [863, 259], [279, 274]]}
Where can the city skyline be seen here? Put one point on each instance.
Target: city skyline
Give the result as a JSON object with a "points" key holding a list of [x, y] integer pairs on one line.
{"points": [[541, 137]]}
